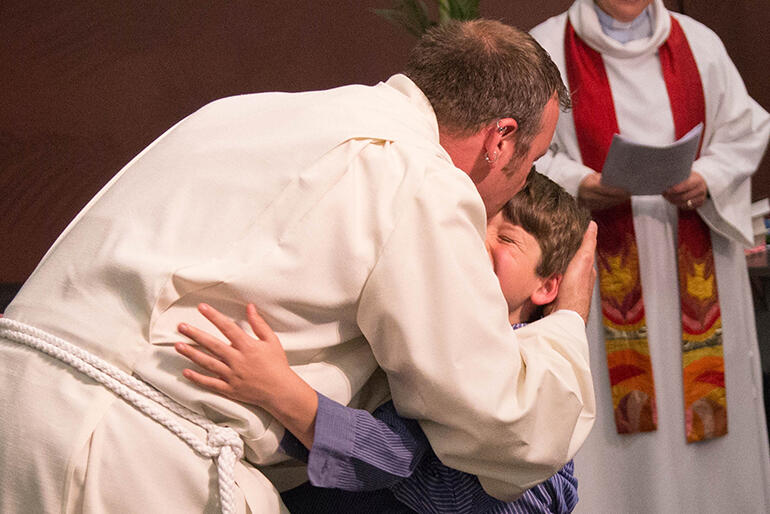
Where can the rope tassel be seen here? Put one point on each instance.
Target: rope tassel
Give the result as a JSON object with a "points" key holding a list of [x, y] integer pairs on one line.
{"points": [[223, 444]]}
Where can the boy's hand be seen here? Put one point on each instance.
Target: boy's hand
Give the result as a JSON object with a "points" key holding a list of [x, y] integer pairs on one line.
{"points": [[249, 370], [578, 282]]}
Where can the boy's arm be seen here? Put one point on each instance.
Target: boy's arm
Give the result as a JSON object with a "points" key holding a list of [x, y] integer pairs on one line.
{"points": [[350, 448], [355, 450], [250, 370]]}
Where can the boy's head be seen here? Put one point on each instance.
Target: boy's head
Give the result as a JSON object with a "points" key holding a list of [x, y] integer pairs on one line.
{"points": [[531, 241]]}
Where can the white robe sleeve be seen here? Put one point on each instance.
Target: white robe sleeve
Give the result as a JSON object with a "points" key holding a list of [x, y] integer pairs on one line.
{"points": [[737, 130], [510, 408], [557, 165], [562, 162]]}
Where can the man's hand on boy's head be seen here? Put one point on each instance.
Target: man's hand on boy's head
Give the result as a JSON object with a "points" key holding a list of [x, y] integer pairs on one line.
{"points": [[578, 282]]}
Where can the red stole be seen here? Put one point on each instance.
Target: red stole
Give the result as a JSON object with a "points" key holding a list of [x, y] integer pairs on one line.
{"points": [[628, 356]]}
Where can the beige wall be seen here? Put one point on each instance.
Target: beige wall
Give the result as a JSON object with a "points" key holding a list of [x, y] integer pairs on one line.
{"points": [[88, 84]]}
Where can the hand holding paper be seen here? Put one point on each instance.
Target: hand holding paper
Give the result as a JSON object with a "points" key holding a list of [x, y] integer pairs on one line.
{"points": [[689, 194], [650, 170], [596, 196]]}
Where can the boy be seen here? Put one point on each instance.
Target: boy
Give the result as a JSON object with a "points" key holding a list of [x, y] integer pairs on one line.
{"points": [[530, 243]]}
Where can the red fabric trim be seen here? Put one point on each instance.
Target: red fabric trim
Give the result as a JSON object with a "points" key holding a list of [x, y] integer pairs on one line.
{"points": [[592, 105], [617, 254]]}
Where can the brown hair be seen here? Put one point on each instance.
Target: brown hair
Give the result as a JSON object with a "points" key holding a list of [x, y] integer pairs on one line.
{"points": [[552, 216], [475, 72]]}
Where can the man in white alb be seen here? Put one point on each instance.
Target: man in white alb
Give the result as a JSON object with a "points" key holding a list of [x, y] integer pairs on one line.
{"points": [[355, 219]]}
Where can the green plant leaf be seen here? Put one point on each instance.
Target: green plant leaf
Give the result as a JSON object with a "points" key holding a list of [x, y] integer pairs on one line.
{"points": [[457, 10], [411, 15]]}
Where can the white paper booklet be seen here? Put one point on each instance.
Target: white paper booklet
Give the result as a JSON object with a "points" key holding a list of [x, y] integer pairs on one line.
{"points": [[650, 170]]}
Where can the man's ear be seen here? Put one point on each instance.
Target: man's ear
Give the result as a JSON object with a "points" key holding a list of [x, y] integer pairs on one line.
{"points": [[499, 143], [547, 291]]}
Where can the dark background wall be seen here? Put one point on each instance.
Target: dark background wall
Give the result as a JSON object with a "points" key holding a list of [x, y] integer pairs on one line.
{"points": [[87, 84]]}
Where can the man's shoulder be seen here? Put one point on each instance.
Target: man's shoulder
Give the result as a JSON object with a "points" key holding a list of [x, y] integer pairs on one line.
{"points": [[430, 176]]}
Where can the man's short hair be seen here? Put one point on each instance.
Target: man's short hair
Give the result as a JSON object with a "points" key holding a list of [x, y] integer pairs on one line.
{"points": [[553, 217], [475, 72]]}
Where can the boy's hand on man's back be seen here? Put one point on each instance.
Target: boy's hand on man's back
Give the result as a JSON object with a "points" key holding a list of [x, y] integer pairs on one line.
{"points": [[251, 370], [578, 282]]}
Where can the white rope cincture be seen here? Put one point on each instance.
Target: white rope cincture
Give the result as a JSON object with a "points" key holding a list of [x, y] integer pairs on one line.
{"points": [[223, 444]]}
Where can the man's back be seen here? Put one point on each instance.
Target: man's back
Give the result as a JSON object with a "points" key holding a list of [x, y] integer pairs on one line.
{"points": [[223, 208]]}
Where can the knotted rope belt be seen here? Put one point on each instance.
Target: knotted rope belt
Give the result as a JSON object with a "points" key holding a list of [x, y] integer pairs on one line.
{"points": [[223, 444]]}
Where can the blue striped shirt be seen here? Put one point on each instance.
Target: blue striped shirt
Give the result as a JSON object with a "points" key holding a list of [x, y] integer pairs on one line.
{"points": [[356, 451]]}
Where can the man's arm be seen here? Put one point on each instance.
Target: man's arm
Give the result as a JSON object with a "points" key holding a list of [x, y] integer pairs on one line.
{"points": [[511, 410]]}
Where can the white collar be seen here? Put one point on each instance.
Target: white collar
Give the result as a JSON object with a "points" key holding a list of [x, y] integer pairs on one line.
{"points": [[586, 23], [623, 32]]}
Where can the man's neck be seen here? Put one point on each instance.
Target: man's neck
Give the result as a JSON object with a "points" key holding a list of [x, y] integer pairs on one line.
{"points": [[464, 150]]}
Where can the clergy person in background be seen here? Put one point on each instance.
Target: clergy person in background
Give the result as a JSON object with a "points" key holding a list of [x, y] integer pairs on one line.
{"points": [[680, 424]]}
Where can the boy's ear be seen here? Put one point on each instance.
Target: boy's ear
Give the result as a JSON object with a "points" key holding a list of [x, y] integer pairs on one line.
{"points": [[547, 291]]}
